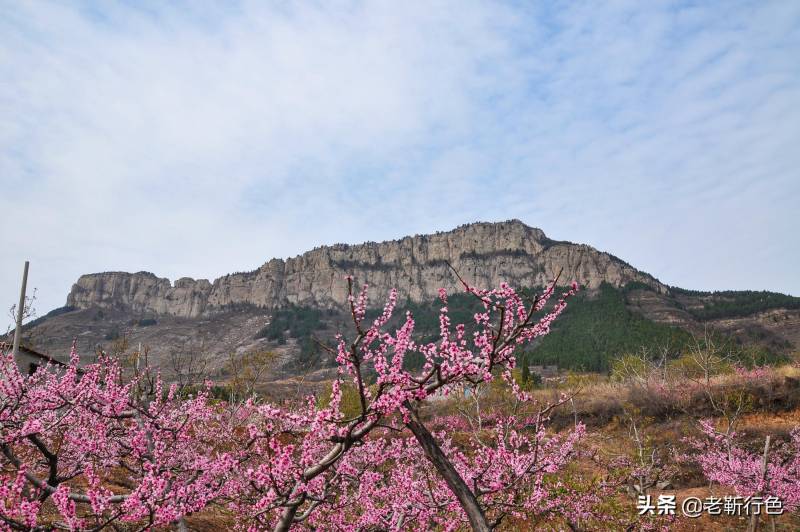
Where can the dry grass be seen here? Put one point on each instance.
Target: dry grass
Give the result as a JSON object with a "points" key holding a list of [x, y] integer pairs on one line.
{"points": [[667, 412], [600, 401]]}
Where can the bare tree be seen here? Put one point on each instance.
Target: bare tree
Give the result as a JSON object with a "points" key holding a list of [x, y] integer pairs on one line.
{"points": [[190, 363], [247, 371], [649, 468], [28, 313], [635, 367], [709, 355]]}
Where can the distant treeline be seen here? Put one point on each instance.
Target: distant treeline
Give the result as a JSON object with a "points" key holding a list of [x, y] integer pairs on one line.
{"points": [[736, 303]]}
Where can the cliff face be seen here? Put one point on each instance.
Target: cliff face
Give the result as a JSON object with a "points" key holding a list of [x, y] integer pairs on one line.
{"points": [[485, 254]]}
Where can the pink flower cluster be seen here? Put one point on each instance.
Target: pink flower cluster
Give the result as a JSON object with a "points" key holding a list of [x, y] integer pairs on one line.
{"points": [[755, 373], [59, 425], [727, 462], [103, 447]]}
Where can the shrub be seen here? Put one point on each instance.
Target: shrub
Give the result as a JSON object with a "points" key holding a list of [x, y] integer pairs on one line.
{"points": [[300, 322]]}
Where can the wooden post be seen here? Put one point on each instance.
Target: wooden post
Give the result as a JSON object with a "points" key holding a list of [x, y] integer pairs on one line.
{"points": [[753, 525], [20, 310]]}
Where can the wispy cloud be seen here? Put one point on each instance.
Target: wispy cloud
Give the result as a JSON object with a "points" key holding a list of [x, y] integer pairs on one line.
{"points": [[197, 140]]}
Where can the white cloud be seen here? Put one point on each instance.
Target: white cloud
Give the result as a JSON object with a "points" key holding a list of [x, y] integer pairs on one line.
{"points": [[198, 141]]}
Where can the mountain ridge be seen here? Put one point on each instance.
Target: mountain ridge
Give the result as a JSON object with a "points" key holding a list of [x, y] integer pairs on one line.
{"points": [[485, 253], [259, 310]]}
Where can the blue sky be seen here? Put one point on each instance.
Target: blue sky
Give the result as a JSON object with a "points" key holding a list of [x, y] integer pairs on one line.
{"points": [[199, 139]]}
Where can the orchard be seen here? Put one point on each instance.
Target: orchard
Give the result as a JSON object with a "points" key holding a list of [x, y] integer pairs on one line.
{"points": [[92, 446]]}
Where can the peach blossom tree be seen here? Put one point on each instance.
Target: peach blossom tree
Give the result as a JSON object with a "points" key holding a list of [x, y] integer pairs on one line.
{"points": [[98, 448]]}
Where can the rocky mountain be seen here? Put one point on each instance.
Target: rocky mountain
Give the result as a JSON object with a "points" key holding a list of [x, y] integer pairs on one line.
{"points": [[483, 253], [243, 312]]}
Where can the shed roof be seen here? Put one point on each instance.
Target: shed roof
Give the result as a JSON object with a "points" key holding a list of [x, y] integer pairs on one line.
{"points": [[6, 346]]}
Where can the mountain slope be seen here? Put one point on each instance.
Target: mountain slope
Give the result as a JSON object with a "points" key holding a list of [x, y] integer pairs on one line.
{"points": [[278, 306]]}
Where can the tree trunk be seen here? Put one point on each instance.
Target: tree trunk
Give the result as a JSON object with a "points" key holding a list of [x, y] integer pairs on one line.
{"points": [[434, 453], [287, 518]]}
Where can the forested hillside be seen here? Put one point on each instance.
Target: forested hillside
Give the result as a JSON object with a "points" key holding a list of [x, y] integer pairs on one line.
{"points": [[597, 326]]}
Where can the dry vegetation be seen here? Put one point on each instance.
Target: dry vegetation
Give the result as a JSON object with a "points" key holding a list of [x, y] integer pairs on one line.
{"points": [[645, 418], [640, 415]]}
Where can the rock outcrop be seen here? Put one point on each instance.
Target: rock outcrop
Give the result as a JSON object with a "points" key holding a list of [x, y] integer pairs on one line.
{"points": [[485, 254]]}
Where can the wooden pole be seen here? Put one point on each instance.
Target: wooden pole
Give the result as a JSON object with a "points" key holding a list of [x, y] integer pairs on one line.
{"points": [[753, 524], [20, 311]]}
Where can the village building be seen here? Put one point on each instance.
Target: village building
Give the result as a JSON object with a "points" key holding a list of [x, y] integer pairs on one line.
{"points": [[545, 372], [29, 360]]}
